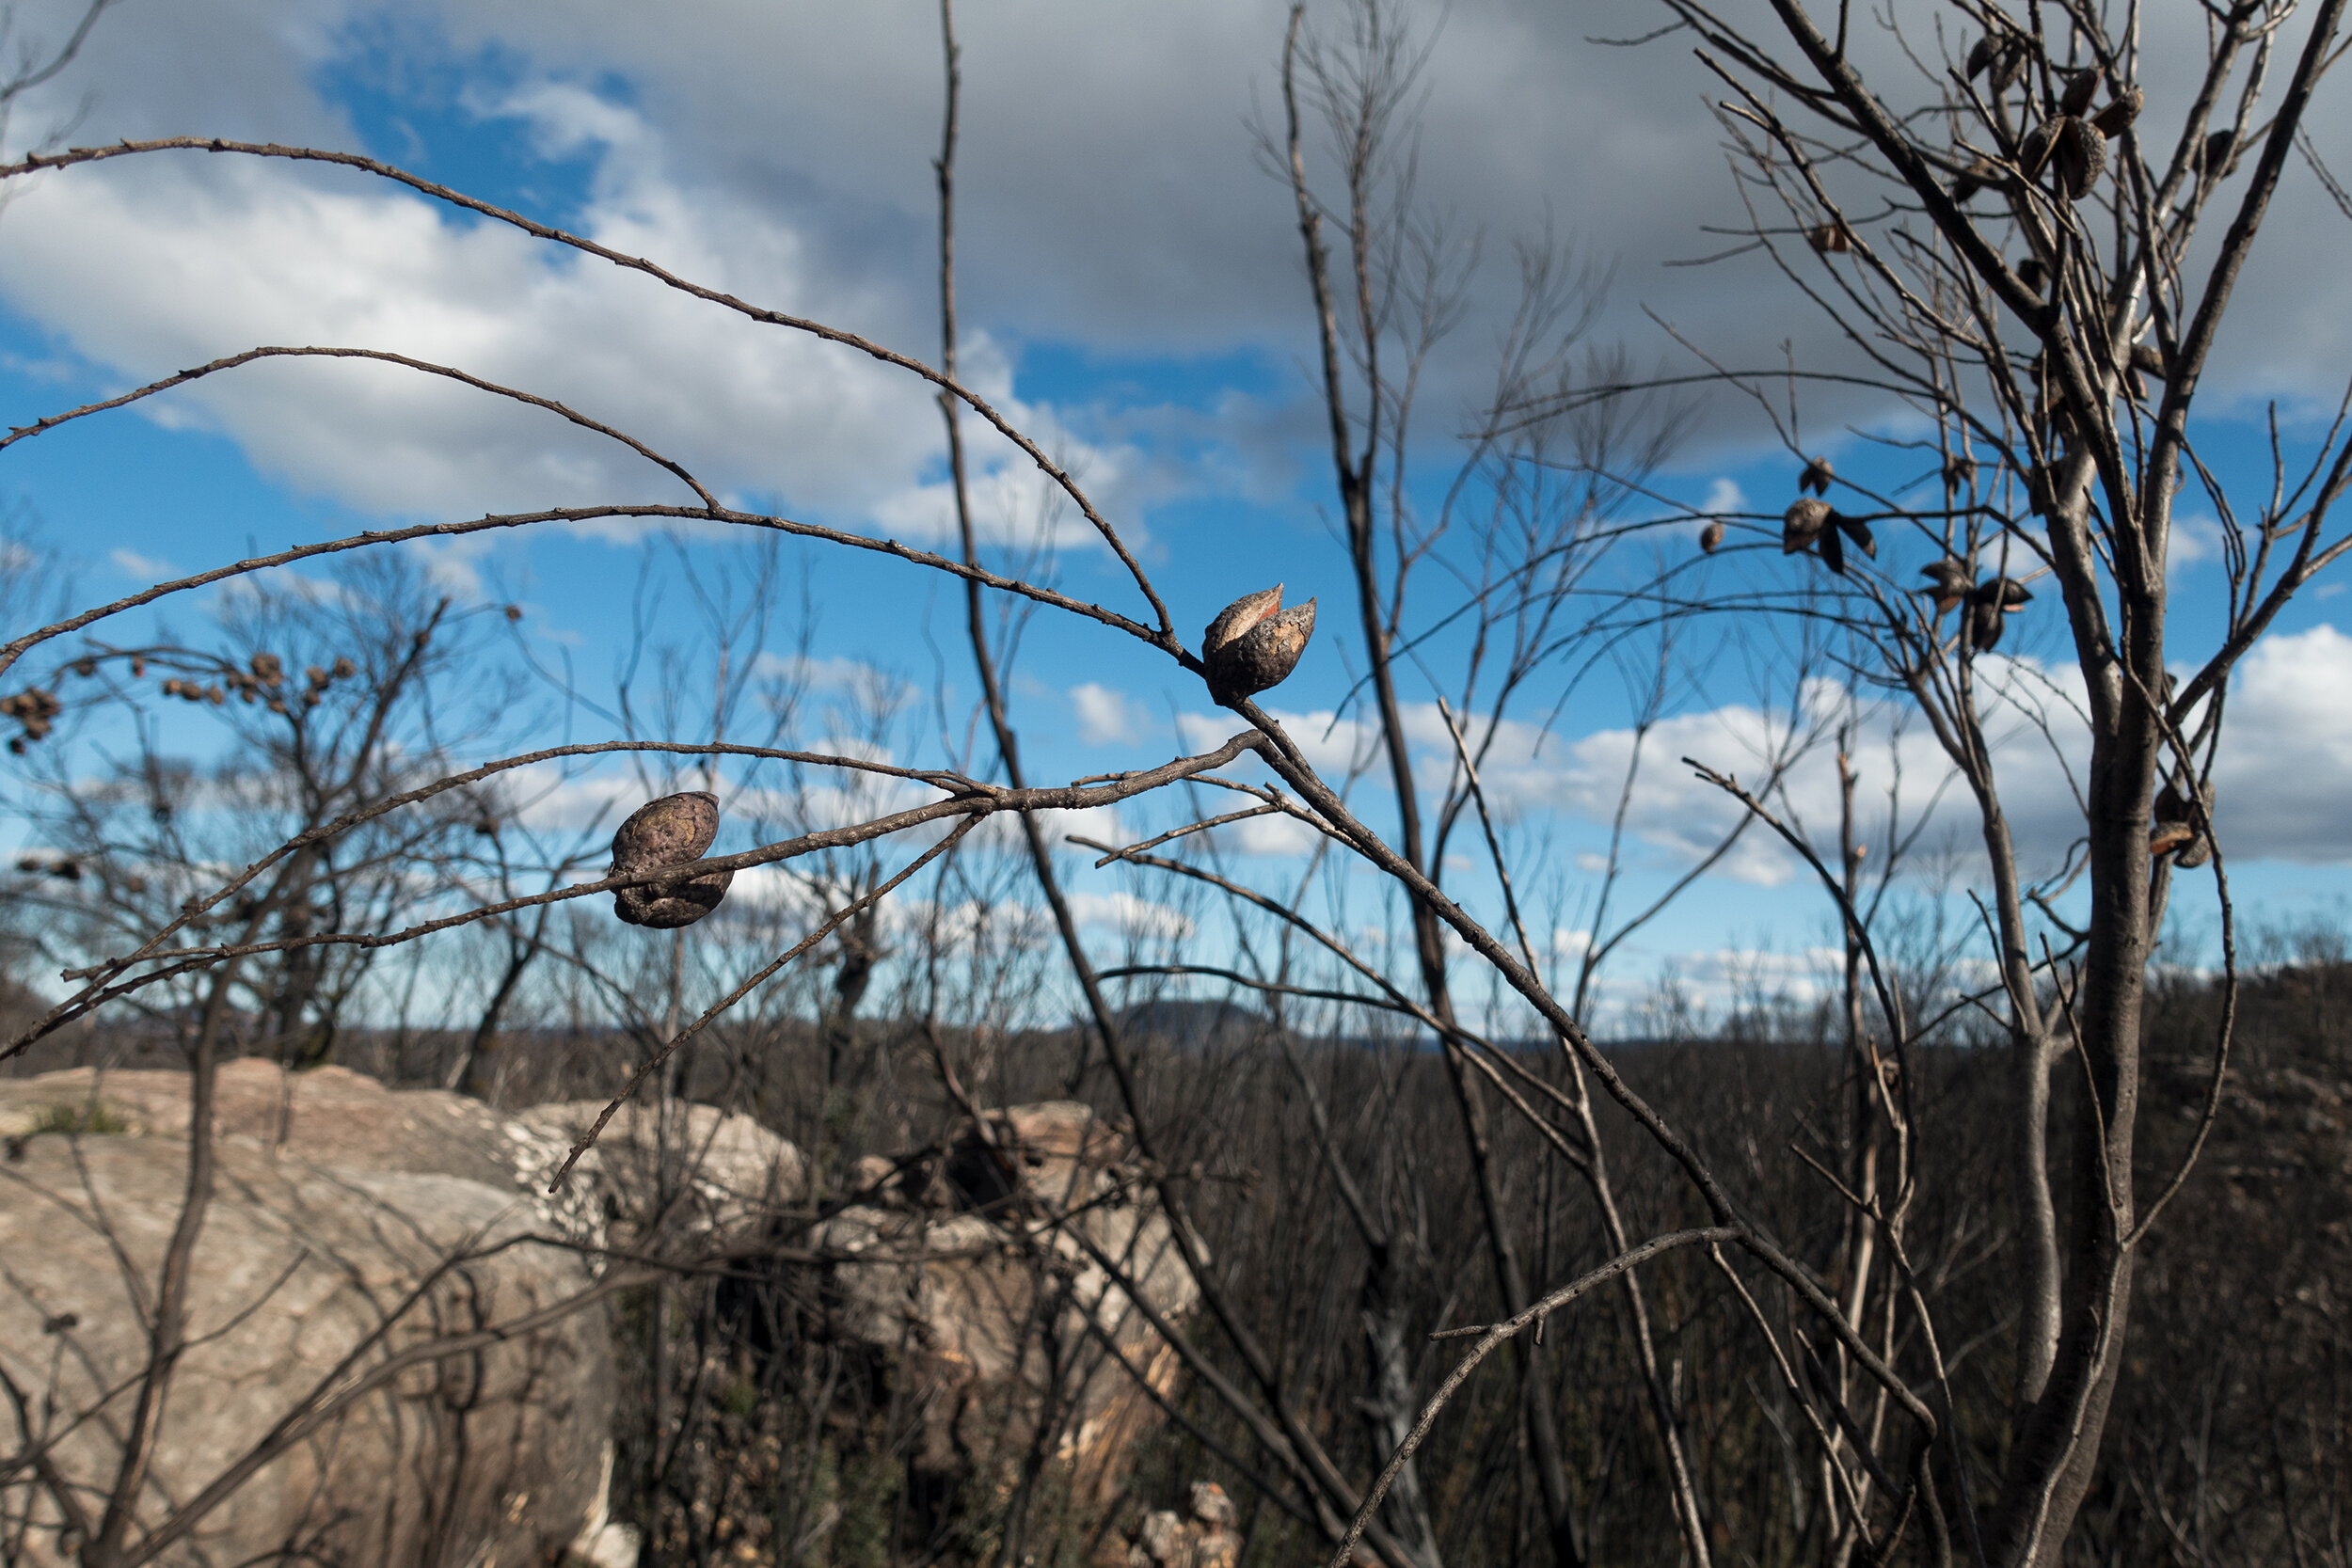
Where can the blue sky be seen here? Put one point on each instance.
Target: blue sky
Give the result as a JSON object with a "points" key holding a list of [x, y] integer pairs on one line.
{"points": [[1131, 295]]}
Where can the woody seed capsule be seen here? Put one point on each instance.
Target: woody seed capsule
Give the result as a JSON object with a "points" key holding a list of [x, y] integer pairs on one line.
{"points": [[1254, 643], [673, 830], [2081, 154]]}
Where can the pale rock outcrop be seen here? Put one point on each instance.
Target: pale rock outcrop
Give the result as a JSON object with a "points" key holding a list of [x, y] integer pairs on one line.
{"points": [[695, 1171], [328, 1115], [354, 1193], [309, 1280], [1043, 1222], [1201, 1537]]}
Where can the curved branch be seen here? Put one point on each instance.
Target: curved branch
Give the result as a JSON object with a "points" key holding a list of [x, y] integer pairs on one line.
{"points": [[1167, 641], [1029, 449], [1494, 1337], [25, 432]]}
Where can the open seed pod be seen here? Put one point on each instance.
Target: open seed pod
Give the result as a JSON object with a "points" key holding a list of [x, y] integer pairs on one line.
{"points": [[2081, 86], [1254, 643], [2173, 831], [676, 829], [2034, 151], [1984, 624], [2008, 63], [2079, 157], [1951, 580], [1801, 524], [2118, 113]]}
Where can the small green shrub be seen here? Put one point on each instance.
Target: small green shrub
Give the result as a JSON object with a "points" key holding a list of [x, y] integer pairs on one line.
{"points": [[94, 1118]]}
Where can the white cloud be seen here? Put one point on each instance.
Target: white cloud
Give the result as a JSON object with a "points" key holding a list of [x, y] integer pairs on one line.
{"points": [[143, 270], [2279, 782], [141, 567], [2194, 541], [829, 672], [1109, 193], [450, 564], [1105, 715], [1130, 916]]}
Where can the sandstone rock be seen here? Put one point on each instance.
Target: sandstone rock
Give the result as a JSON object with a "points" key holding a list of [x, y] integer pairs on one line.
{"points": [[724, 1170], [497, 1456], [329, 1115], [703, 1172], [1203, 1538], [957, 1294], [353, 1192]]}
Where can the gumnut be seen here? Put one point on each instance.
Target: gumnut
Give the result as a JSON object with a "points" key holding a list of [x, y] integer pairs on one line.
{"points": [[2081, 153], [2121, 113], [1801, 524], [1254, 643], [676, 829]]}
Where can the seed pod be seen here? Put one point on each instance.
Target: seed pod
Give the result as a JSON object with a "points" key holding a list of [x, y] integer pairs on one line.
{"points": [[514, 612], [1832, 545], [1240, 616], [673, 830], [1816, 476], [2007, 66], [1830, 239], [2033, 274], [1712, 536], [2081, 155], [1984, 622], [1801, 524], [268, 669], [2118, 113], [2150, 359], [1980, 55], [2002, 592], [2174, 828], [2034, 151], [1990, 604], [1254, 645], [667, 906], [2079, 88], [1951, 580], [1962, 469], [1859, 531], [669, 831]]}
